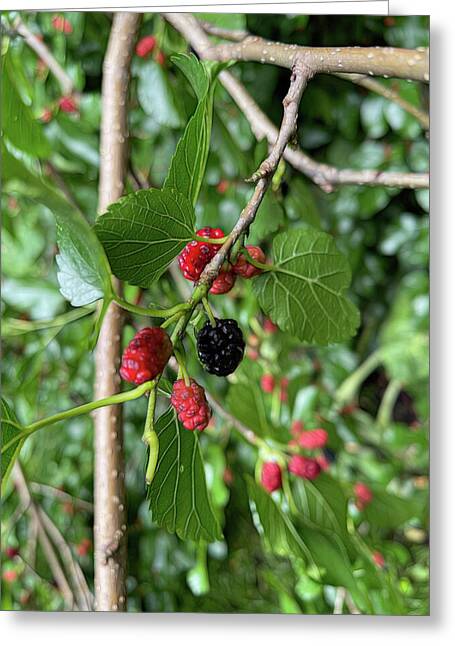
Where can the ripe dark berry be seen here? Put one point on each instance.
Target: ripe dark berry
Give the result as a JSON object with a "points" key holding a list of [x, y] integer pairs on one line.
{"points": [[191, 405], [302, 467], [196, 255], [223, 283], [145, 46], [221, 347], [146, 355], [243, 268], [271, 476]]}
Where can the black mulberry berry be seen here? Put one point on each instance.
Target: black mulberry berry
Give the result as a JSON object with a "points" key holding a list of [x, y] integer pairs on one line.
{"points": [[221, 347]]}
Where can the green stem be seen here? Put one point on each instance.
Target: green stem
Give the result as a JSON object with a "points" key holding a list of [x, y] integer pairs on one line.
{"points": [[256, 263], [348, 389], [151, 438], [388, 402], [218, 241], [208, 309], [119, 398], [182, 367], [145, 311], [13, 327]]}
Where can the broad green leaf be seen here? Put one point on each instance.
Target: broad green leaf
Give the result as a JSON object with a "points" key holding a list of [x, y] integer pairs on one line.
{"points": [[18, 123], [246, 402], [387, 511], [156, 95], [10, 429], [278, 530], [84, 274], [178, 494], [304, 294], [188, 163], [143, 232]]}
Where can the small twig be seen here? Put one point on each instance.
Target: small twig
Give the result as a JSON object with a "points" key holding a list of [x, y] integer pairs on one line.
{"points": [[44, 489], [340, 597], [66, 83], [249, 435], [236, 35]]}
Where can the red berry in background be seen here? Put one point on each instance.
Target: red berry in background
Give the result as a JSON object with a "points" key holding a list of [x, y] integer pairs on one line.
{"points": [[270, 327], [9, 576], [284, 383], [160, 57], [146, 355], [145, 46], [267, 383], [363, 495], [314, 439], [302, 467], [243, 268], [62, 24], [67, 104], [378, 559], [296, 428], [11, 552], [223, 283], [191, 405], [323, 462], [271, 476], [222, 186], [84, 547], [252, 354], [46, 115], [197, 254]]}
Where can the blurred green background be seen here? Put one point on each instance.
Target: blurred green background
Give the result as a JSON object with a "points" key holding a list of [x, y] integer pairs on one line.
{"points": [[383, 231]]}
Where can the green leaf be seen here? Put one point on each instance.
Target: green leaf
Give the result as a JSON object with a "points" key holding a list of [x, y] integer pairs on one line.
{"points": [[156, 95], [10, 428], [143, 232], [18, 123], [278, 530], [269, 218], [190, 158], [304, 294], [387, 511], [246, 402], [178, 494], [84, 274]]}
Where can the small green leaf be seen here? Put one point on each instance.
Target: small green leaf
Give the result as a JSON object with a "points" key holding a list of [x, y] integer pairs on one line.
{"points": [[10, 428], [304, 294], [178, 494], [156, 95], [246, 402], [188, 163], [18, 122], [143, 232], [387, 511]]}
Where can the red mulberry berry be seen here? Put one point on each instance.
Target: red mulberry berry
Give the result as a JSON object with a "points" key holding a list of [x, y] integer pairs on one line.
{"points": [[61, 24], [145, 46], [271, 476], [196, 255], [160, 58], [191, 405], [67, 104], [363, 495], [146, 355], [223, 283], [11, 552], [378, 559], [314, 439], [302, 467], [270, 327], [267, 383], [244, 268]]}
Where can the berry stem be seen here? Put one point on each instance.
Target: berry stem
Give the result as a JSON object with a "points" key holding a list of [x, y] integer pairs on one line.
{"points": [[182, 367], [256, 263], [150, 437], [119, 398], [208, 309], [145, 311], [217, 241]]}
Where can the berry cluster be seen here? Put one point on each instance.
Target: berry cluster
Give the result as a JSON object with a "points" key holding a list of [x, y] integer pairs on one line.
{"points": [[197, 254]]}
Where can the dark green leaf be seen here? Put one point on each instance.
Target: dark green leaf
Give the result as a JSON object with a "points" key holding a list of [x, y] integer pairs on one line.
{"points": [[156, 95], [178, 494], [304, 294], [10, 429], [143, 232], [387, 511], [194, 71]]}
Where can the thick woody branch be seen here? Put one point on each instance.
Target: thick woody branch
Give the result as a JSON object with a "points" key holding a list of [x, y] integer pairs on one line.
{"points": [[322, 174], [109, 485], [66, 83]]}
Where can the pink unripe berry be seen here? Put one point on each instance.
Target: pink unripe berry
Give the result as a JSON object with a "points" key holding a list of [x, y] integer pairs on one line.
{"points": [[267, 383], [271, 476]]}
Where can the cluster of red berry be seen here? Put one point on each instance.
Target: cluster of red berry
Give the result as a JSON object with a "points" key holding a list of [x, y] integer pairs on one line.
{"points": [[146, 45], [197, 254]]}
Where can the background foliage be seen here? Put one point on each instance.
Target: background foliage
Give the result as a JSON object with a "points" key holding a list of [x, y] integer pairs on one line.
{"points": [[384, 234]]}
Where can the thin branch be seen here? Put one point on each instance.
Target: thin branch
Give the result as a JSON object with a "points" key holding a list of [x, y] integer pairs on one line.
{"points": [[388, 93], [249, 435], [325, 176], [65, 81], [23, 491], [237, 35], [109, 475], [47, 490], [410, 64]]}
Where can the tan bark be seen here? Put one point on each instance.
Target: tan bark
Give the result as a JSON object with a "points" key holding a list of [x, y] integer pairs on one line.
{"points": [[109, 473]]}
